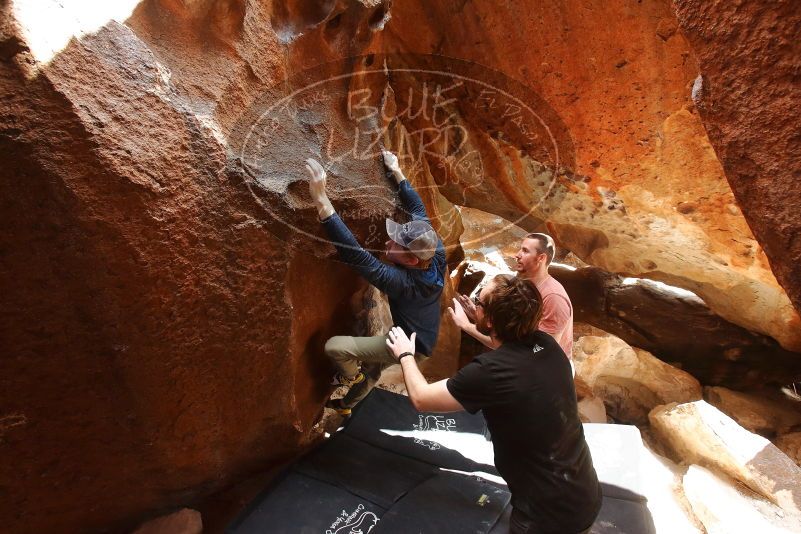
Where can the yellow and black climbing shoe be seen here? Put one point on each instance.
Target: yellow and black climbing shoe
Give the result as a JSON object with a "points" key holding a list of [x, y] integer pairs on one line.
{"points": [[338, 407], [340, 380]]}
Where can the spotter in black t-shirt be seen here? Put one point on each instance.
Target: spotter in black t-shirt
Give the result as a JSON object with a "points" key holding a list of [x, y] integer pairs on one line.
{"points": [[527, 395]]}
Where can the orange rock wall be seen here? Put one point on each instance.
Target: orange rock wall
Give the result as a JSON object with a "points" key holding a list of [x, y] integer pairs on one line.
{"points": [[749, 57], [162, 310], [161, 334], [645, 193]]}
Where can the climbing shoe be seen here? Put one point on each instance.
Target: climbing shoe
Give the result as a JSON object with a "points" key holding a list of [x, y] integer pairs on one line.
{"points": [[338, 407], [340, 380]]}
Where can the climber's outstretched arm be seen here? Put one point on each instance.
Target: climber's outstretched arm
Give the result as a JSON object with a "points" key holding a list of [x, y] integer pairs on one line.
{"points": [[411, 201], [387, 278]]}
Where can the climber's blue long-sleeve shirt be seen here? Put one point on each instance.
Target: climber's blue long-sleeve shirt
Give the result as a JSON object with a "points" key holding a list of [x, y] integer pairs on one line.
{"points": [[413, 293]]}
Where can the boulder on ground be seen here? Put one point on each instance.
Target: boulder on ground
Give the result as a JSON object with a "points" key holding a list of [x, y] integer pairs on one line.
{"points": [[725, 508], [743, 105], [670, 510], [630, 381], [677, 326], [592, 410], [699, 433], [763, 415], [790, 444]]}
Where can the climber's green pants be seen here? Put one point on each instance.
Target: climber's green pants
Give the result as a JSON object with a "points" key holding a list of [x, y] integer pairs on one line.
{"points": [[347, 352]]}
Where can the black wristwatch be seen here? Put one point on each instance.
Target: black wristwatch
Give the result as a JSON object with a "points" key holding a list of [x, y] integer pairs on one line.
{"points": [[404, 355]]}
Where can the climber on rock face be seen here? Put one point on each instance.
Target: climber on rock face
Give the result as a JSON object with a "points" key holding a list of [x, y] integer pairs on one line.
{"points": [[412, 279], [525, 390], [533, 258]]}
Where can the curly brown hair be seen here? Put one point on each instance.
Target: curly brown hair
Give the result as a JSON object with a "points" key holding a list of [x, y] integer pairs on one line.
{"points": [[514, 308]]}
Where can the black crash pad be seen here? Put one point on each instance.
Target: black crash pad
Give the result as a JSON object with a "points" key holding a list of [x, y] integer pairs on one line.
{"points": [[365, 470], [389, 421], [444, 502], [448, 502], [622, 516], [297, 503], [617, 516], [389, 471], [386, 472]]}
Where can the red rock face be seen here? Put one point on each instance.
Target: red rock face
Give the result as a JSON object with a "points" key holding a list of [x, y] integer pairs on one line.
{"points": [[161, 334], [749, 55], [643, 192], [163, 306]]}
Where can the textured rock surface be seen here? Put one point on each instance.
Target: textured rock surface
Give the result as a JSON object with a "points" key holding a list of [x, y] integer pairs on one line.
{"points": [[184, 521], [592, 410], [678, 327], [642, 192], [158, 339], [630, 381], [756, 412], [725, 508], [489, 238], [164, 310], [790, 444], [749, 56], [667, 503], [698, 432], [673, 324]]}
